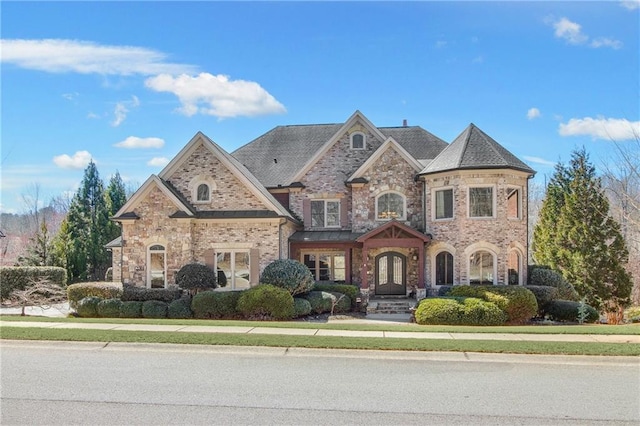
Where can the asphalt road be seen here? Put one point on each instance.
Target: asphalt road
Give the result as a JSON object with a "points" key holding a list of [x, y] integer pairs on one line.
{"points": [[93, 383]]}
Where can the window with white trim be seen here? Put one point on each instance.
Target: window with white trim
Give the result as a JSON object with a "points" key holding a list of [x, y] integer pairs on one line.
{"points": [[391, 205], [157, 266], [325, 213], [513, 203], [481, 201], [443, 204], [482, 268], [234, 267], [326, 266], [357, 141]]}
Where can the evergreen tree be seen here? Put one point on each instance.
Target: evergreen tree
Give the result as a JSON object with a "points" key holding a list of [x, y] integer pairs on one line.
{"points": [[39, 249], [62, 249], [88, 221], [116, 197], [579, 238]]}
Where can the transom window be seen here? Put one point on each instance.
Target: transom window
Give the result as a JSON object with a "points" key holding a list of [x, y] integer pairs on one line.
{"points": [[481, 268], [325, 213], [203, 193], [513, 203], [481, 202], [390, 205], [357, 141], [326, 266], [444, 268], [444, 204]]}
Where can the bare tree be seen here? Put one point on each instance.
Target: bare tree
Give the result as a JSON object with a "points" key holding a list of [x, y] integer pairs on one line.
{"points": [[41, 292]]}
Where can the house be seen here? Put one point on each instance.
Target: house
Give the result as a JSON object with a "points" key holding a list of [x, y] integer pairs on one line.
{"points": [[395, 210]]}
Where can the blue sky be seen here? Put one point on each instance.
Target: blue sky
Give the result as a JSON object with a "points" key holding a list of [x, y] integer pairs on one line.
{"points": [[128, 84]]}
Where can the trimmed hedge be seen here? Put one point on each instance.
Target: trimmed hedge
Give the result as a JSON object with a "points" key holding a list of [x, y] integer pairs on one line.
{"points": [[88, 307], [19, 277], [544, 295], [142, 294], [444, 290], [154, 309], [301, 307], [109, 308], [103, 290], [350, 290], [567, 310], [131, 309], [543, 276], [458, 311], [215, 304], [180, 308], [267, 301], [517, 302], [289, 274], [194, 276], [342, 302], [320, 301]]}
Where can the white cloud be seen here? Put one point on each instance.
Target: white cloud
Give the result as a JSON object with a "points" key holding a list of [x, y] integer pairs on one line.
{"points": [[217, 95], [60, 56], [606, 42], [630, 4], [538, 160], [158, 161], [617, 129], [133, 142], [80, 160], [572, 33], [441, 44], [121, 110], [71, 96], [533, 113]]}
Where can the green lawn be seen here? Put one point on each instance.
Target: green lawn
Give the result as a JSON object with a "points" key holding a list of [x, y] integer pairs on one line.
{"points": [[493, 346]]}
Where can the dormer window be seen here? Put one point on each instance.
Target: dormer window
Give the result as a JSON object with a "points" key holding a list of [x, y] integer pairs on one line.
{"points": [[357, 141], [203, 193]]}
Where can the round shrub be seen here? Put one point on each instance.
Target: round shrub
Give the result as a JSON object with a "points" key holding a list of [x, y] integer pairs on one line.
{"points": [[350, 290], [340, 302], [180, 308], [544, 295], [76, 292], [632, 314], [195, 276], [266, 301], [444, 290], [109, 308], [478, 312], [87, 307], [542, 276], [214, 304], [301, 307], [320, 301], [131, 309], [438, 311], [567, 310], [517, 302], [154, 309], [289, 274]]}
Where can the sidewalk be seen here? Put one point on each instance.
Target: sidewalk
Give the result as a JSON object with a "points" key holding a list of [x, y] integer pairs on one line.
{"points": [[324, 332]]}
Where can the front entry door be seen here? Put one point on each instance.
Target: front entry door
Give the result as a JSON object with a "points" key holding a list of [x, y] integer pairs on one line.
{"points": [[391, 268]]}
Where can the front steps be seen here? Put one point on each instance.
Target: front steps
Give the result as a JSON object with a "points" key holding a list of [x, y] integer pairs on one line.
{"points": [[390, 306]]}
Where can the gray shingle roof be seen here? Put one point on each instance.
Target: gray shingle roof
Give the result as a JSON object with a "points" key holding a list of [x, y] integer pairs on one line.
{"points": [[277, 156], [474, 149]]}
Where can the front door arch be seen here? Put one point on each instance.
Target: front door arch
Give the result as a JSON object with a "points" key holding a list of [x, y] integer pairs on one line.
{"points": [[391, 274]]}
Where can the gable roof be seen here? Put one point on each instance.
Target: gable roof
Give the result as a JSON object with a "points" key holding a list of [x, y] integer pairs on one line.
{"points": [[282, 155], [154, 181], [394, 228], [474, 149], [390, 143]]}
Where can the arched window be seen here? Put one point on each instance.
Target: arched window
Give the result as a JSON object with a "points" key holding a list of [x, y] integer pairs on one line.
{"points": [[444, 268], [482, 268], [357, 141], [156, 267], [515, 267], [203, 193], [390, 205]]}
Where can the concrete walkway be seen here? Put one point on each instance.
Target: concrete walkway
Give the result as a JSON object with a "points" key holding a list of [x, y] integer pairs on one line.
{"points": [[324, 332]]}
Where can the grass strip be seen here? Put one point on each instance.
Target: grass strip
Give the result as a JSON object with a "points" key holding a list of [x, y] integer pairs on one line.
{"points": [[326, 342], [630, 329]]}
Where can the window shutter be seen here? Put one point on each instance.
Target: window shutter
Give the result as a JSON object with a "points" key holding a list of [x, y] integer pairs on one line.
{"points": [[210, 258], [344, 213], [306, 212], [254, 262]]}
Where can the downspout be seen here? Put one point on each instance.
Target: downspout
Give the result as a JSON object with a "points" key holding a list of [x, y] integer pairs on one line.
{"points": [[282, 222]]}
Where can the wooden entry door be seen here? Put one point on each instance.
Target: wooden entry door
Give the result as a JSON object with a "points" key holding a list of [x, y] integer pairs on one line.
{"points": [[391, 272]]}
